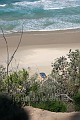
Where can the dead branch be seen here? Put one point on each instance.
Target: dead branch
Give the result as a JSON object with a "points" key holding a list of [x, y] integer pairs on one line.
{"points": [[9, 60], [6, 48], [16, 48]]}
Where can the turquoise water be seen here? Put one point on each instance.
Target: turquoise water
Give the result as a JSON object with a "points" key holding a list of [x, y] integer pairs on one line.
{"points": [[39, 15]]}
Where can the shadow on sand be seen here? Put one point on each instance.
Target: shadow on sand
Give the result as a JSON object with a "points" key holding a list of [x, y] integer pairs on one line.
{"points": [[76, 116], [10, 110]]}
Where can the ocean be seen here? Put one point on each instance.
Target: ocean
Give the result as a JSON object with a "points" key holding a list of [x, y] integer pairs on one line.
{"points": [[39, 15]]}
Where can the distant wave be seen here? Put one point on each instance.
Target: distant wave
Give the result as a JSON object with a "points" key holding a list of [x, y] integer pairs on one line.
{"points": [[48, 4], [24, 3], [61, 7], [2, 5], [60, 4], [54, 8]]}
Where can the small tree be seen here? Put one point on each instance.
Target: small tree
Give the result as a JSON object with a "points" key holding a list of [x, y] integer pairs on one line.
{"points": [[66, 71], [17, 81], [60, 74], [74, 67]]}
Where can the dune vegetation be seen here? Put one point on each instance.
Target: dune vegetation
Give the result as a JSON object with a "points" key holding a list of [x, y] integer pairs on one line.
{"points": [[58, 92]]}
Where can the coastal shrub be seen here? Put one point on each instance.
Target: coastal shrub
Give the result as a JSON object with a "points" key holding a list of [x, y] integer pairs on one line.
{"points": [[19, 98], [2, 77], [17, 81], [53, 106], [77, 101]]}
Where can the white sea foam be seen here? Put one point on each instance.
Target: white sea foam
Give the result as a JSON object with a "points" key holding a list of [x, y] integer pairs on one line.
{"points": [[60, 4], [25, 3], [49, 4], [2, 5], [44, 24]]}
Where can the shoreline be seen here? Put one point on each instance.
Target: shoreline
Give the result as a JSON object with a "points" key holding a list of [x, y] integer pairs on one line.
{"points": [[42, 37], [40, 31], [38, 49]]}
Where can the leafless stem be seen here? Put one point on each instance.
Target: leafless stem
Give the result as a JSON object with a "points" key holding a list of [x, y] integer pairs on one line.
{"points": [[6, 48], [16, 48], [9, 60]]}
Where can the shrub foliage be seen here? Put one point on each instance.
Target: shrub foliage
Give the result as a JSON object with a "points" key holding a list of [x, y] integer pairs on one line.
{"points": [[62, 85]]}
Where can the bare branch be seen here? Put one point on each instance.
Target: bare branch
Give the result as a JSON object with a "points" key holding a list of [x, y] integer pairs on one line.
{"points": [[16, 48], [6, 45], [7, 49], [9, 60]]}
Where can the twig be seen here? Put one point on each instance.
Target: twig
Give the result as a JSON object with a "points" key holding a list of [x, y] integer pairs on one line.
{"points": [[16, 48], [7, 49], [9, 60]]}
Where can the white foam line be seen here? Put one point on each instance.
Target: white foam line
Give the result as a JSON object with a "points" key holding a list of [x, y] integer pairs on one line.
{"points": [[3, 5], [47, 32]]}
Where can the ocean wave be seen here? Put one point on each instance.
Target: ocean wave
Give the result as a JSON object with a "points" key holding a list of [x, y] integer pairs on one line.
{"points": [[51, 8], [48, 4], [56, 8], [2, 5], [40, 15], [39, 24], [59, 4], [25, 3]]}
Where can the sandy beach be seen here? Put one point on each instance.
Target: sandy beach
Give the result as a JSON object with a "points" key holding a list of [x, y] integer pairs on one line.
{"points": [[39, 49]]}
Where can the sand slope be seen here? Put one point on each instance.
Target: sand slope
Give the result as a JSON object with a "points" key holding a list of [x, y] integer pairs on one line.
{"points": [[39, 114]]}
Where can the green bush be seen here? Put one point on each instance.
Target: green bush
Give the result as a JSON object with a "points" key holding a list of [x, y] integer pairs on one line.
{"points": [[77, 101], [19, 98], [53, 106]]}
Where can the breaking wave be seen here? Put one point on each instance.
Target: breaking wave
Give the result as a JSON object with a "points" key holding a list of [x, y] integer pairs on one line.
{"points": [[2, 5]]}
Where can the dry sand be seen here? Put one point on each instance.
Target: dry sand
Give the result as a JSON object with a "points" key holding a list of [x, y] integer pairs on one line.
{"points": [[39, 114], [38, 49]]}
